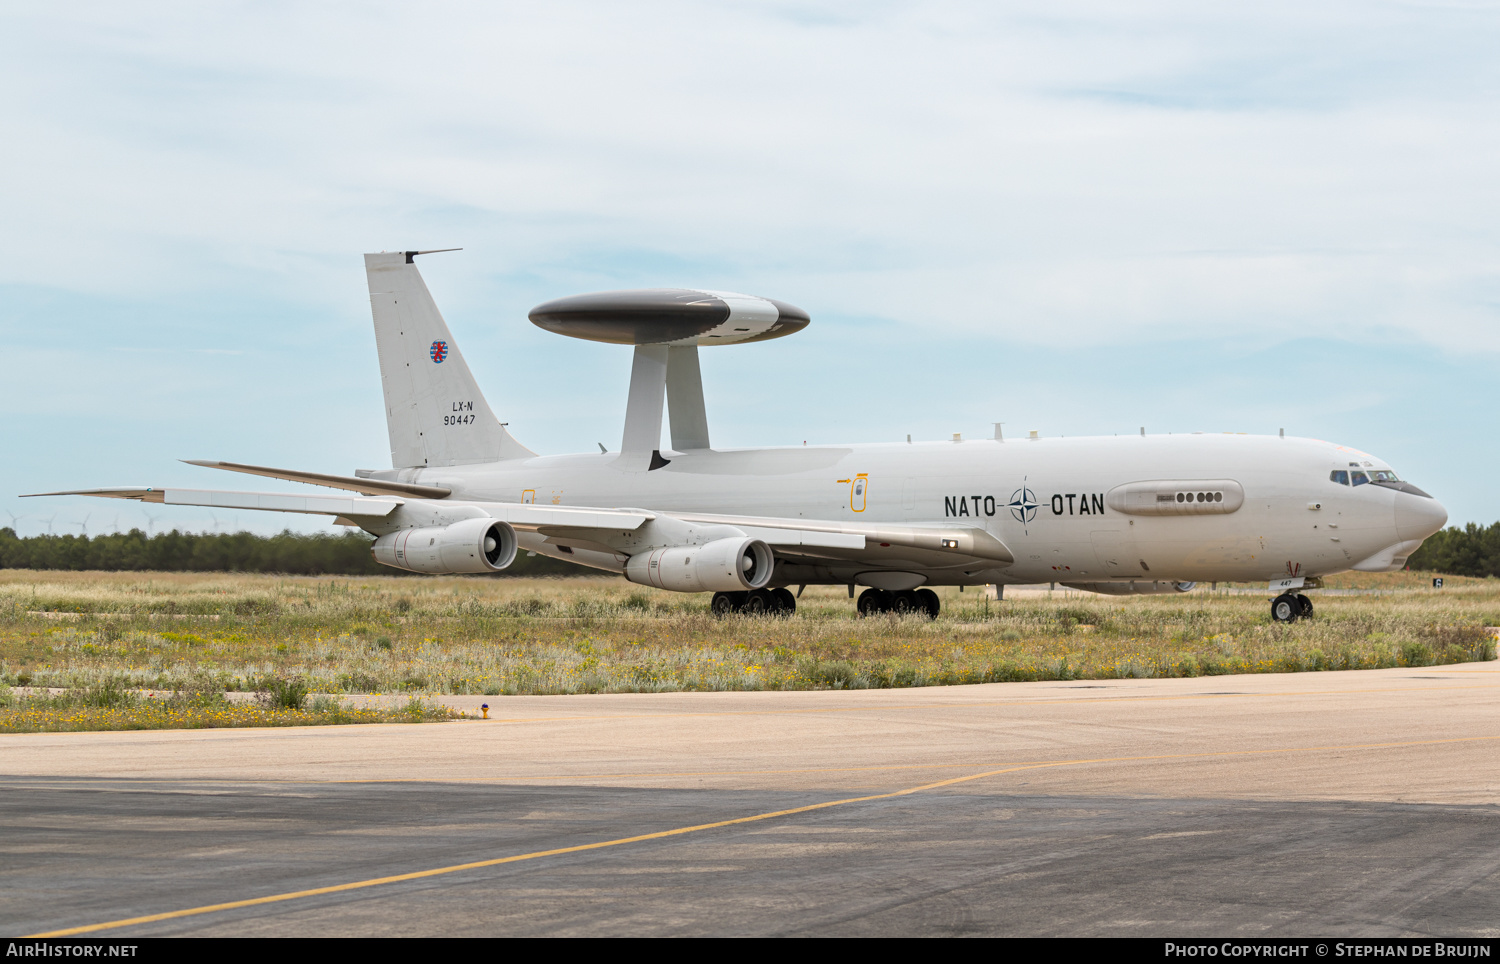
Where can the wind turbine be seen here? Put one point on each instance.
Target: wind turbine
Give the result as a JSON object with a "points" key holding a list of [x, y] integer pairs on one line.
{"points": [[14, 520]]}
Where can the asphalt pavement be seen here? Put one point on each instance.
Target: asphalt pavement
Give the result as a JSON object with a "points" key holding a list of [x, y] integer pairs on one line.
{"points": [[1327, 804]]}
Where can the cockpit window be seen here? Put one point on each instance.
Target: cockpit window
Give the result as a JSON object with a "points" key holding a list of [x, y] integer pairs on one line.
{"points": [[1383, 475], [1360, 478], [1339, 476]]}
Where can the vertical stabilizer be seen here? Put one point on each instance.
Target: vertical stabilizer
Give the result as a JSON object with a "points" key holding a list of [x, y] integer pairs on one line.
{"points": [[433, 407]]}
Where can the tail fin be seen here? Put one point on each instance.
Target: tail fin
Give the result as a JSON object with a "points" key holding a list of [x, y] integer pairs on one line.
{"points": [[433, 407]]}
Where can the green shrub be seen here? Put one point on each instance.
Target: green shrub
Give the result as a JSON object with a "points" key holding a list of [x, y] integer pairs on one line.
{"points": [[284, 692]]}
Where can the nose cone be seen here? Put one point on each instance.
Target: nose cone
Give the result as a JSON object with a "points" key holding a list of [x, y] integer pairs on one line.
{"points": [[1418, 517]]}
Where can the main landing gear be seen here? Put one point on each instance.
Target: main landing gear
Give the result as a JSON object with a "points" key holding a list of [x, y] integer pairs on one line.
{"points": [[1290, 607], [756, 602], [911, 602]]}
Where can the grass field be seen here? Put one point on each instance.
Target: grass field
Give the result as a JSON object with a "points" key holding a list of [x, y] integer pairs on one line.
{"points": [[205, 633], [111, 707]]}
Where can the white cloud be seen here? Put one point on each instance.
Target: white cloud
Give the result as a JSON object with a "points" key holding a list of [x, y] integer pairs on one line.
{"points": [[1033, 175], [1176, 169]]}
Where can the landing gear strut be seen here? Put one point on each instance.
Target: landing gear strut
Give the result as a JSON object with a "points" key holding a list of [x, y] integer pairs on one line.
{"points": [[1290, 607]]}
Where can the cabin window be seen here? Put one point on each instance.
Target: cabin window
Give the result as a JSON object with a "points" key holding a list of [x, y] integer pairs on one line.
{"points": [[1360, 478], [1339, 476]]}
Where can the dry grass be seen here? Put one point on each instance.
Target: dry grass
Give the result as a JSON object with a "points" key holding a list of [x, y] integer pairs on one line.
{"points": [[507, 635], [108, 708]]}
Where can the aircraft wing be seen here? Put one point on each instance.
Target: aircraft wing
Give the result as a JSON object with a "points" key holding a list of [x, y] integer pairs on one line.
{"points": [[603, 528], [522, 516], [953, 541]]}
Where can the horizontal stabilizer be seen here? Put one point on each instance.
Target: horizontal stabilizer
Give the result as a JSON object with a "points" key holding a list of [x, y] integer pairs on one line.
{"points": [[352, 483], [265, 501]]}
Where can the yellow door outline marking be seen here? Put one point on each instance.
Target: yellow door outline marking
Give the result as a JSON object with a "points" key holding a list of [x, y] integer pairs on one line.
{"points": [[679, 831], [859, 488]]}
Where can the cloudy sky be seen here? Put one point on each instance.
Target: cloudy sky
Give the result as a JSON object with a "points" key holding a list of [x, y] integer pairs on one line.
{"points": [[1067, 217]]}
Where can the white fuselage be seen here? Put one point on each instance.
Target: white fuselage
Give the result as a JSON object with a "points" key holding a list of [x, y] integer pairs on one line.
{"points": [[1048, 500]]}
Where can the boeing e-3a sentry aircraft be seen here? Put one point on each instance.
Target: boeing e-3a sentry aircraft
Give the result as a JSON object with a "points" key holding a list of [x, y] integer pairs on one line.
{"points": [[1132, 514]]}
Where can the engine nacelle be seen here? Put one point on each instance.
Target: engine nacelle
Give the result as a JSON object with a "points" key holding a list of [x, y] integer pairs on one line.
{"points": [[473, 545], [1131, 588], [724, 565]]}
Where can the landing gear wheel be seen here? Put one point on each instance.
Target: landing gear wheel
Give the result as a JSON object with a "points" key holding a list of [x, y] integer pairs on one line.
{"points": [[928, 601], [1286, 608], [905, 603], [725, 603], [758, 602], [1305, 606], [873, 601], [786, 603]]}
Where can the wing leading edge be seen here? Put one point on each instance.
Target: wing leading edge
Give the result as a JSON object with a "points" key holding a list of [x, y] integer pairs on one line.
{"points": [[618, 533]]}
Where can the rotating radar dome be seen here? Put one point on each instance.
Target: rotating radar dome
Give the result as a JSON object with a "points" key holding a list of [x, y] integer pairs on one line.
{"points": [[669, 316]]}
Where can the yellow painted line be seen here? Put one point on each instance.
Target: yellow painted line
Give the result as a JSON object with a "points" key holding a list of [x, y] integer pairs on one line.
{"points": [[679, 831]]}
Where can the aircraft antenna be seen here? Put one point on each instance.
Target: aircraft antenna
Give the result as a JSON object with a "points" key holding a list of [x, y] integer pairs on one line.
{"points": [[413, 254]]}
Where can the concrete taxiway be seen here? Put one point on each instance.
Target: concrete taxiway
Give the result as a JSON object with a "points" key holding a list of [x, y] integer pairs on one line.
{"points": [[1348, 803]]}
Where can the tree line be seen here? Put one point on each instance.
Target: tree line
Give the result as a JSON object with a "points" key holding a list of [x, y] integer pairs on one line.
{"points": [[289, 552], [1473, 550]]}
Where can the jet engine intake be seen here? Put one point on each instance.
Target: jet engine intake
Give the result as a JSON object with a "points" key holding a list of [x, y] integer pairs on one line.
{"points": [[473, 545], [724, 565]]}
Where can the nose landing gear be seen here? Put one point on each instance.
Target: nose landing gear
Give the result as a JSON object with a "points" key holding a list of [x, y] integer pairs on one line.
{"points": [[1290, 607]]}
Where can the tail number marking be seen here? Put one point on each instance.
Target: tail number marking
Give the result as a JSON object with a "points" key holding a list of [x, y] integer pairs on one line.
{"points": [[463, 414]]}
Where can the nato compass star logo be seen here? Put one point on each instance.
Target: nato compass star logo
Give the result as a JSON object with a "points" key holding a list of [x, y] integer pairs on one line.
{"points": [[438, 351], [1023, 505]]}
